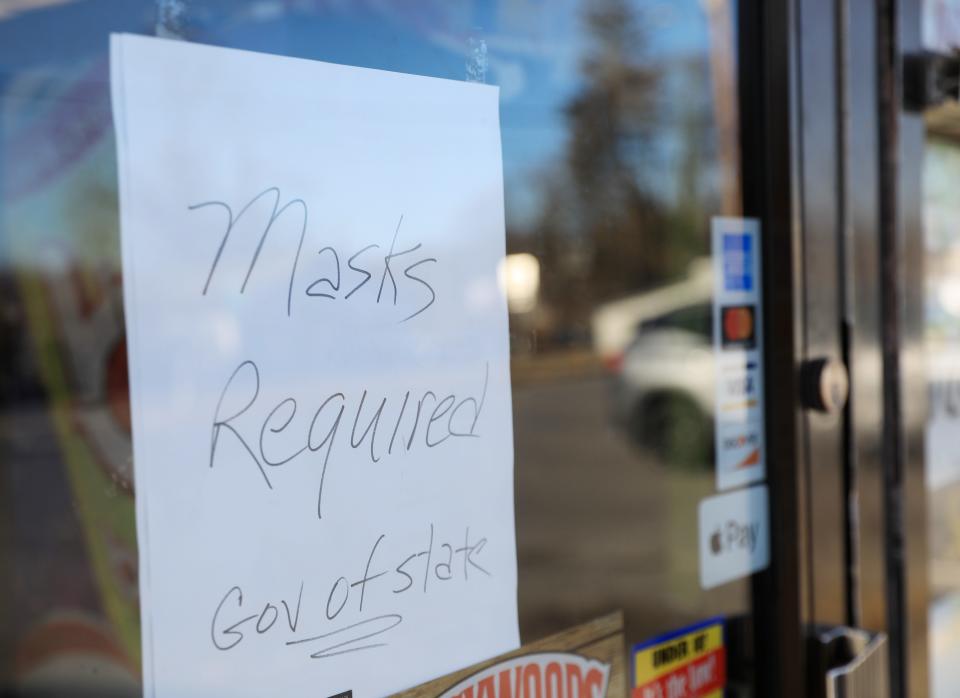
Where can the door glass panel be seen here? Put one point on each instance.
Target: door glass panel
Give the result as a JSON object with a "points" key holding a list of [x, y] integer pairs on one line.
{"points": [[941, 24], [620, 142], [942, 316], [941, 220]]}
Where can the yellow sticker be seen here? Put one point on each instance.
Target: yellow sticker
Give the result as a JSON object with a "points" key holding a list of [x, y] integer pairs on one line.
{"points": [[687, 663]]}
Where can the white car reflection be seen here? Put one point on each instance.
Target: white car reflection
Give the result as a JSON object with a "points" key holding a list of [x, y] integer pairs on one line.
{"points": [[658, 346]]}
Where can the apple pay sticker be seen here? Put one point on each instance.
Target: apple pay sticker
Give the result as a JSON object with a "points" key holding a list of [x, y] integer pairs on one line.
{"points": [[734, 536]]}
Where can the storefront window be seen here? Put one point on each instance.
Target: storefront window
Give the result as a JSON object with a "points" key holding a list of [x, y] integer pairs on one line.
{"points": [[942, 273], [620, 143]]}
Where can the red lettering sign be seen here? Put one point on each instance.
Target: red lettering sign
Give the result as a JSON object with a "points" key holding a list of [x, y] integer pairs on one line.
{"points": [[544, 675], [697, 678]]}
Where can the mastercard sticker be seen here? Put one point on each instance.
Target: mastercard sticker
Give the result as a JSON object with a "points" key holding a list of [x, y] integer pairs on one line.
{"points": [[738, 326]]}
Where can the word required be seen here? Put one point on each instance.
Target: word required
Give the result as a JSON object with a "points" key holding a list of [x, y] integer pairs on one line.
{"points": [[422, 419]]}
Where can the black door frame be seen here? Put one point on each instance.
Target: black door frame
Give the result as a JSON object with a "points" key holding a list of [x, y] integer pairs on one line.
{"points": [[905, 385], [831, 167], [768, 142]]}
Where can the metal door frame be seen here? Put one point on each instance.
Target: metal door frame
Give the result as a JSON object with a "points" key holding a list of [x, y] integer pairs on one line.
{"points": [[831, 167]]}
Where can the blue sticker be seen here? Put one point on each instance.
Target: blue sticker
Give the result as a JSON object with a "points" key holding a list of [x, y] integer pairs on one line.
{"points": [[738, 262]]}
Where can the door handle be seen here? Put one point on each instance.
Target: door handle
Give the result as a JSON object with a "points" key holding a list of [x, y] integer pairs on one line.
{"points": [[850, 663], [824, 385]]}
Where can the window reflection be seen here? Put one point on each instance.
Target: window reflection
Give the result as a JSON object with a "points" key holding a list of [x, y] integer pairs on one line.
{"points": [[942, 334], [619, 124]]}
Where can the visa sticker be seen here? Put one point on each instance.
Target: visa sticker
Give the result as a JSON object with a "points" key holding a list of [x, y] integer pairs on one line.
{"points": [[687, 663]]}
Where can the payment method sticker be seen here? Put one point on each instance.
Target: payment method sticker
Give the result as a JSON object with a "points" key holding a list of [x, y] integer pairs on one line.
{"points": [[734, 535], [739, 326], [687, 663], [737, 343]]}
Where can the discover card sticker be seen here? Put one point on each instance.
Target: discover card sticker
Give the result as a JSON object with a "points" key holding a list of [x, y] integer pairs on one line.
{"points": [[320, 388], [738, 352]]}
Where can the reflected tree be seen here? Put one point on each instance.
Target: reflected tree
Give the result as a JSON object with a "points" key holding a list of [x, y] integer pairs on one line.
{"points": [[627, 209]]}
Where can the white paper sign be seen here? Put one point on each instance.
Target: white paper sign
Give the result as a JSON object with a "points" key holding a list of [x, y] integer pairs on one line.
{"points": [[738, 351], [319, 372]]}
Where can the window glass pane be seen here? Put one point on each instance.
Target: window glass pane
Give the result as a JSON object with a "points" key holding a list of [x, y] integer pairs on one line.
{"points": [[941, 24], [620, 142], [941, 211]]}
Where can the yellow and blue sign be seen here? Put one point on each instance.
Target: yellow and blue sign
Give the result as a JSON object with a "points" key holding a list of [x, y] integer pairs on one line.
{"points": [[686, 663]]}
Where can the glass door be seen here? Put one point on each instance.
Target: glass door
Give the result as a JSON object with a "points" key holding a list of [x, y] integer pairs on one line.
{"points": [[621, 135], [940, 149]]}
